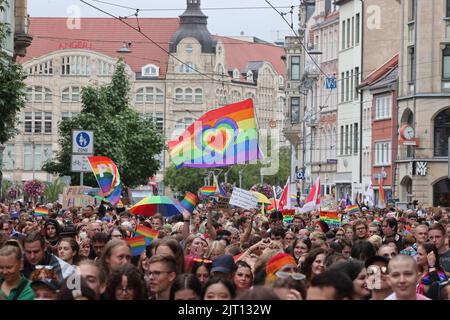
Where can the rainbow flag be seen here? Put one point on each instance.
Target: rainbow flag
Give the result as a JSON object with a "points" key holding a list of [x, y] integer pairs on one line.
{"points": [[137, 245], [149, 233], [208, 190], [108, 178], [288, 215], [293, 199], [352, 209], [331, 218], [219, 190], [40, 212], [189, 202], [221, 137]]}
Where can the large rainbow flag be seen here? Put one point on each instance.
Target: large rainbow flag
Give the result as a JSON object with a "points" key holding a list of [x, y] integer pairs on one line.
{"points": [[108, 178], [221, 137], [333, 219]]}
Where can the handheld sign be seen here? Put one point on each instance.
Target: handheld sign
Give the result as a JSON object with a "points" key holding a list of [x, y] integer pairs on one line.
{"points": [[243, 199]]}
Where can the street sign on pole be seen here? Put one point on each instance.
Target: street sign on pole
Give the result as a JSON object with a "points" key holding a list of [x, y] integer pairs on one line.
{"points": [[82, 142], [80, 163]]}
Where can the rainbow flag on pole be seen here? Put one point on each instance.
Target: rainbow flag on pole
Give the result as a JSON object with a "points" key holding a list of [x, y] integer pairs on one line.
{"points": [[333, 219], [137, 245], [40, 212], [208, 190], [222, 137], [149, 233], [352, 209], [189, 202], [108, 178]]}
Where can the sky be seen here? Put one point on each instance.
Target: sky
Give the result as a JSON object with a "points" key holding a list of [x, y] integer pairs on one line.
{"points": [[265, 23]]}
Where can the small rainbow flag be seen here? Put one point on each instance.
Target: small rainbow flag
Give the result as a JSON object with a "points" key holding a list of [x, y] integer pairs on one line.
{"points": [[352, 209], [189, 202], [331, 218], [137, 245], [40, 212], [149, 233], [288, 215], [208, 190], [293, 199]]}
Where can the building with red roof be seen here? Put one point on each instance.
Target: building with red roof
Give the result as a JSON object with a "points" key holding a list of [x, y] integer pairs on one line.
{"points": [[178, 71]]}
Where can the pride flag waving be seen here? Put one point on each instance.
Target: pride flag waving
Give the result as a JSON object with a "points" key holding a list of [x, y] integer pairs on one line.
{"points": [[108, 178], [221, 137]]}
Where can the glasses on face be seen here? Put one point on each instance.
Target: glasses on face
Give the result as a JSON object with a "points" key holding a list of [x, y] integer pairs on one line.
{"points": [[156, 273], [124, 290], [39, 267], [361, 229], [293, 275], [371, 270]]}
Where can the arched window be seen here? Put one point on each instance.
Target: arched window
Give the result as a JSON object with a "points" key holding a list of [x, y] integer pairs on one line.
{"points": [[441, 133], [179, 95], [188, 95], [249, 76], [188, 67], [150, 70], [441, 193], [39, 94], [198, 98], [236, 75], [104, 68], [184, 123], [149, 95], [71, 94]]}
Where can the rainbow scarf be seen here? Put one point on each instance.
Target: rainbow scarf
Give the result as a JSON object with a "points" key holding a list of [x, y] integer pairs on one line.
{"points": [[137, 245], [148, 233], [331, 218], [40, 212], [221, 137], [108, 178], [352, 209], [189, 202]]}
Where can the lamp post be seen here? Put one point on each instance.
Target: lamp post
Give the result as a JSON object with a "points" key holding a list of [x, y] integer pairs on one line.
{"points": [[2, 147]]}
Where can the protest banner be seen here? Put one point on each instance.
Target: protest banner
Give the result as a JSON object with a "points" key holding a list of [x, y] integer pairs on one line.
{"points": [[243, 199], [75, 197], [223, 202]]}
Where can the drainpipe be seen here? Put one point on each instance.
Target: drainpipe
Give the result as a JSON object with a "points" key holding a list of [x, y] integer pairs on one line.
{"points": [[361, 103]]}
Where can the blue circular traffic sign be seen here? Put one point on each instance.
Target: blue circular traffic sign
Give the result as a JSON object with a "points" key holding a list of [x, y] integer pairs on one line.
{"points": [[82, 139]]}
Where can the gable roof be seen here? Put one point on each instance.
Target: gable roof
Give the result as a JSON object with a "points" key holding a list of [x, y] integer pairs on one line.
{"points": [[380, 72], [107, 35]]}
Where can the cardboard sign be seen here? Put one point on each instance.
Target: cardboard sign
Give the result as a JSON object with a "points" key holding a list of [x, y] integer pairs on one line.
{"points": [[75, 197], [223, 203], [243, 199]]}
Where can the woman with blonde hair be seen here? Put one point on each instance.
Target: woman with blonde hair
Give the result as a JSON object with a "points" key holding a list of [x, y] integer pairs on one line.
{"points": [[216, 249]]}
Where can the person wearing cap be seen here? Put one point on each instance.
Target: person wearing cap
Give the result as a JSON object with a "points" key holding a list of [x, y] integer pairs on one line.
{"points": [[377, 274], [224, 266], [45, 289]]}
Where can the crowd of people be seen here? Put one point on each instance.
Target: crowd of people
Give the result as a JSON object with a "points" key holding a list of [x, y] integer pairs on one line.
{"points": [[223, 254]]}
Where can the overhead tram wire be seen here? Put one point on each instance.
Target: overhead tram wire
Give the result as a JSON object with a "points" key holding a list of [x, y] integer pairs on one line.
{"points": [[155, 43]]}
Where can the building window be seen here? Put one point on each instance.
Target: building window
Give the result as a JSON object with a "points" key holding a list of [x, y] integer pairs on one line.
{"points": [[198, 97], [351, 85], [353, 32], [343, 35], [156, 119], [447, 12], [295, 68], [37, 122], [342, 140], [71, 94], [383, 107], [187, 95], [412, 10], [184, 123], [44, 68], [356, 82], [150, 70], [347, 86], [38, 94], [48, 122], [8, 157], [357, 22], [250, 76], [188, 67], [412, 64], [42, 153], [75, 65], [346, 139], [342, 87], [28, 122], [446, 61], [382, 153], [236, 75], [441, 133], [68, 115], [104, 68], [41, 125], [149, 95], [295, 110], [355, 139], [348, 33]]}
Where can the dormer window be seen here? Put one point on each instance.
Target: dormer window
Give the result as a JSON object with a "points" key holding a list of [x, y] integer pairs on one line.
{"points": [[280, 81], [249, 76], [150, 70], [189, 48], [188, 67], [236, 74]]}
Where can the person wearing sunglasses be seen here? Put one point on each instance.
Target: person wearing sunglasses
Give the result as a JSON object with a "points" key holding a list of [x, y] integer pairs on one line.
{"points": [[377, 274], [290, 286]]}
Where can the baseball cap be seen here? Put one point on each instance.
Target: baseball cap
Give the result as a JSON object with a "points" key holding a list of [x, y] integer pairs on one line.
{"points": [[224, 263], [49, 283], [374, 259]]}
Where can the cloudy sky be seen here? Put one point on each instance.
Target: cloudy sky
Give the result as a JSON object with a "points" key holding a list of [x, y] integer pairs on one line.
{"points": [[263, 23]]}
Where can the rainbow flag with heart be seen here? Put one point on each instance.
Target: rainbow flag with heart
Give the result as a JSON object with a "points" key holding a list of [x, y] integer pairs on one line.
{"points": [[333, 219], [222, 137], [108, 178]]}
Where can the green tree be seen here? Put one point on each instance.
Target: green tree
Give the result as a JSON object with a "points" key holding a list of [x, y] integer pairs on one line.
{"points": [[185, 179], [134, 144], [53, 189]]}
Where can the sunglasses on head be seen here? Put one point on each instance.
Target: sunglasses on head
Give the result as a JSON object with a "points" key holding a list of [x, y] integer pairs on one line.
{"points": [[39, 267], [294, 275], [202, 260]]}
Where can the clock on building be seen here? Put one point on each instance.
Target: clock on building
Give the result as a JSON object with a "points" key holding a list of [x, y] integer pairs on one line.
{"points": [[407, 132]]}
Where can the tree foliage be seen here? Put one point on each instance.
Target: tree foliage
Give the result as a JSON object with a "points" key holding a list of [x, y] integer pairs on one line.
{"points": [[190, 179], [132, 143], [12, 87]]}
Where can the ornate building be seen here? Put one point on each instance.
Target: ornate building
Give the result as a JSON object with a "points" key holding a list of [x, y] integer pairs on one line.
{"points": [[186, 73]]}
